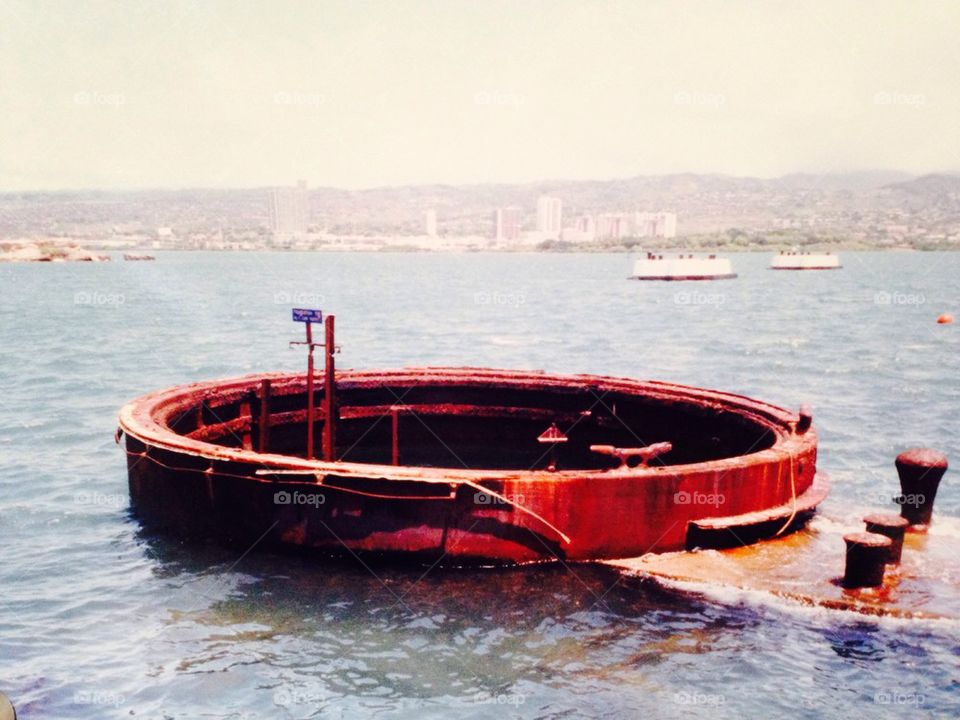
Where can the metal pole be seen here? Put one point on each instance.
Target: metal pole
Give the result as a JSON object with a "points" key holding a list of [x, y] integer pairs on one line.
{"points": [[395, 423], [310, 413], [331, 411], [264, 434]]}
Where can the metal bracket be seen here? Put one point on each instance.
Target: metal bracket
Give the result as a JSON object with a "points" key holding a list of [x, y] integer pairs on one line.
{"points": [[634, 457]]}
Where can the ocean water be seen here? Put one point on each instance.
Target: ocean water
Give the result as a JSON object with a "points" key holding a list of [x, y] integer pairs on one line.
{"points": [[99, 619]]}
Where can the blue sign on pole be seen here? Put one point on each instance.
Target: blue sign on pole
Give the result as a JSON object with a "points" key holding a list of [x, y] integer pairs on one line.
{"points": [[307, 315]]}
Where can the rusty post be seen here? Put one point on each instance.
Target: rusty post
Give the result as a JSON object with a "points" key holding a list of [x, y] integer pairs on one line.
{"points": [[395, 447], [891, 526], [920, 470], [245, 410], [263, 439], [867, 555], [310, 410], [331, 410]]}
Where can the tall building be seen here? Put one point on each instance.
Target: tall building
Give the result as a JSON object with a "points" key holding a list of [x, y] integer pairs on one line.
{"points": [[616, 226], [430, 223], [644, 224], [658, 224], [584, 230], [667, 224], [507, 223], [585, 224], [549, 216], [290, 210]]}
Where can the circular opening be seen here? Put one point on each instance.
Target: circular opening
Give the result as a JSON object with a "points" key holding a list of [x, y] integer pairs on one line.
{"points": [[475, 424]]}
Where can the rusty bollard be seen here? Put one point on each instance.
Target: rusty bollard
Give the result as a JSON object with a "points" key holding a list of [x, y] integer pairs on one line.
{"points": [[891, 526], [920, 471], [867, 555]]}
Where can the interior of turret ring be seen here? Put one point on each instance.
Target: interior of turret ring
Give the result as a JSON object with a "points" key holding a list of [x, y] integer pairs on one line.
{"points": [[477, 427]]}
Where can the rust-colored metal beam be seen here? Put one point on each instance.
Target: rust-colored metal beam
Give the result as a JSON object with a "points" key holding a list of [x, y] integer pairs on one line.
{"points": [[245, 409], [263, 436], [310, 409], [329, 393], [395, 434]]}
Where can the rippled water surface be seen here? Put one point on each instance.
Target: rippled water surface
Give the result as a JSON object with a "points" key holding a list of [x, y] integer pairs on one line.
{"points": [[99, 619]]}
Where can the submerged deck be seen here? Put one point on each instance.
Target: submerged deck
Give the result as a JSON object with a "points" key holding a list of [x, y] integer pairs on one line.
{"points": [[806, 567]]}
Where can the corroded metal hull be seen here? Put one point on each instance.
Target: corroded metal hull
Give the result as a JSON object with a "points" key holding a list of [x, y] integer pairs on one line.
{"points": [[442, 465]]}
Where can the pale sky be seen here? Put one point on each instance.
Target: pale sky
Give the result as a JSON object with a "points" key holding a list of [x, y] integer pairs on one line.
{"points": [[134, 94]]}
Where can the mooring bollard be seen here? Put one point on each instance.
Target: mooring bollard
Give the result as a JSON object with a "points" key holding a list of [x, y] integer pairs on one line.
{"points": [[7, 711], [891, 526], [867, 555], [920, 470]]}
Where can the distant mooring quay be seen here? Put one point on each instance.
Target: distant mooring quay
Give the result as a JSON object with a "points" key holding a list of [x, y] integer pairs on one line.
{"points": [[463, 466]]}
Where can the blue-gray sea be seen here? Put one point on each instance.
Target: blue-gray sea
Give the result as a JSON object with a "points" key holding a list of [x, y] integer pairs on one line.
{"points": [[99, 619]]}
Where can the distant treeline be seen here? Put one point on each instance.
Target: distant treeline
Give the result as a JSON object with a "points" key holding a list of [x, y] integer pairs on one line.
{"points": [[736, 239]]}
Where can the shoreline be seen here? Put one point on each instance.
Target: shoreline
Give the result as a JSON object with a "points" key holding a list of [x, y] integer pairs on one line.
{"points": [[74, 250]]}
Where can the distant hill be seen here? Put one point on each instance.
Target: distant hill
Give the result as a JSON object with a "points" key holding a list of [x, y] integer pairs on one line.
{"points": [[857, 181], [870, 208], [936, 184]]}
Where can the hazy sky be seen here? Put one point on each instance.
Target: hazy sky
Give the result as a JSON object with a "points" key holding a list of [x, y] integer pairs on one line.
{"points": [[356, 94]]}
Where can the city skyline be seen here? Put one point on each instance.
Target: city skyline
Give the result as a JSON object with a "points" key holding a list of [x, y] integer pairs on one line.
{"points": [[867, 210], [215, 95]]}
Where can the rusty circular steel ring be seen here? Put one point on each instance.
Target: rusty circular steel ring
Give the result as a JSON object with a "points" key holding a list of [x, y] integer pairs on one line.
{"points": [[757, 482]]}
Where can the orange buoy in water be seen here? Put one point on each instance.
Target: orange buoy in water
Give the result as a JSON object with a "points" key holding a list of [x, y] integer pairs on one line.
{"points": [[945, 319]]}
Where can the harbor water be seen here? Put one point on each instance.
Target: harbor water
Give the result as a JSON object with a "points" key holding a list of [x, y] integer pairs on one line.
{"points": [[100, 619]]}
